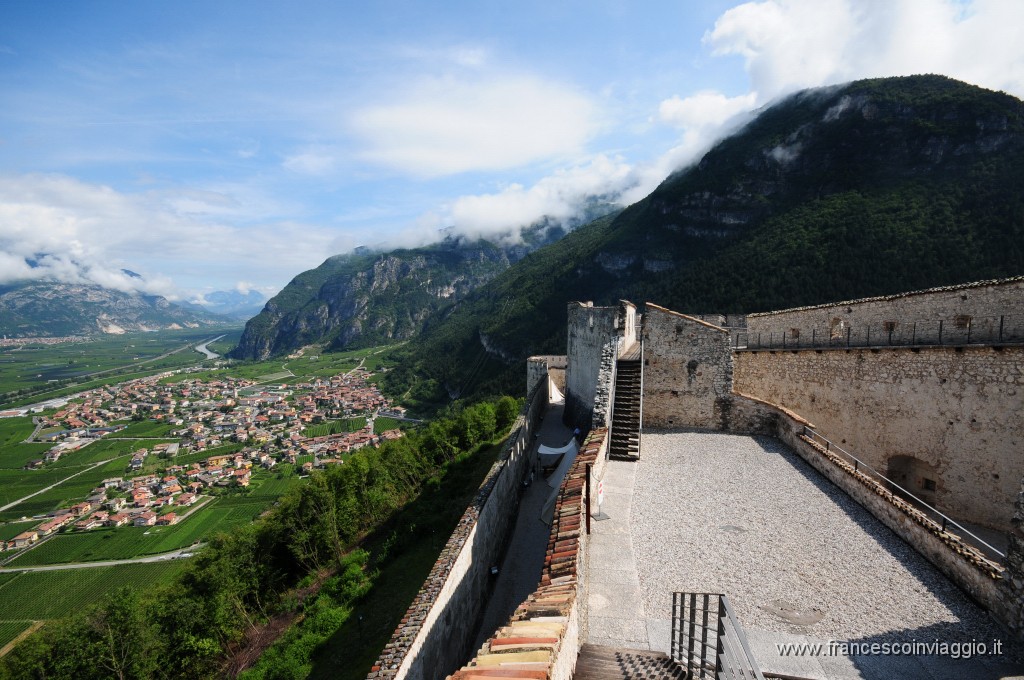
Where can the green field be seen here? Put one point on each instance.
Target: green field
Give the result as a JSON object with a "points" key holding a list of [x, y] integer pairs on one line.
{"points": [[145, 428], [220, 514], [13, 453], [335, 427], [12, 629], [15, 484], [43, 595], [33, 372], [12, 529], [383, 424], [68, 492]]}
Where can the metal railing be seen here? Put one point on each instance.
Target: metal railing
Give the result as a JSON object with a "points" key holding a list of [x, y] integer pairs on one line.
{"points": [[956, 331], [708, 640], [936, 515]]}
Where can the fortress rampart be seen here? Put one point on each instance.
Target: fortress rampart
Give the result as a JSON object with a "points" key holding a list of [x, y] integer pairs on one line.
{"points": [[950, 410], [988, 312], [946, 423], [436, 634]]}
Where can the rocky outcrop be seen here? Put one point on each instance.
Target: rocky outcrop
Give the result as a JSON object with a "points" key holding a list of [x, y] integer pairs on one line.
{"points": [[368, 298]]}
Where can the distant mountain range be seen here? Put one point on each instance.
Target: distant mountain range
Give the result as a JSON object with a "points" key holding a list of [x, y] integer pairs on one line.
{"points": [[51, 309], [874, 187], [234, 304]]}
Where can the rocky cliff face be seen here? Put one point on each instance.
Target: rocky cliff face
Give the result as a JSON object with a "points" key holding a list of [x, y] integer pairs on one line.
{"points": [[48, 309], [363, 299]]}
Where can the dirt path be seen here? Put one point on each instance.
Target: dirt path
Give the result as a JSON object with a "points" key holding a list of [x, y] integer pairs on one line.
{"points": [[36, 625]]}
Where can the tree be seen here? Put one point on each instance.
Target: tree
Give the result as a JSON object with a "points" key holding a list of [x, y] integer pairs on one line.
{"points": [[125, 640]]}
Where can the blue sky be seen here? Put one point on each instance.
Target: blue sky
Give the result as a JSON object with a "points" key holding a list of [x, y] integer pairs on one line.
{"points": [[212, 146]]}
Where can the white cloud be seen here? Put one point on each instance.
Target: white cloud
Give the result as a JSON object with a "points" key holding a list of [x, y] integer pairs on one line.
{"points": [[315, 162], [80, 232], [792, 44], [789, 45], [559, 196], [704, 109], [450, 125]]}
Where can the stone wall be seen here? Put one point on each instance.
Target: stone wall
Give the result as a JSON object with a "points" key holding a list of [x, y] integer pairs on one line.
{"points": [[983, 312], [544, 366], [597, 337], [687, 371], [543, 638], [1010, 608], [437, 631], [959, 411], [590, 330], [985, 581]]}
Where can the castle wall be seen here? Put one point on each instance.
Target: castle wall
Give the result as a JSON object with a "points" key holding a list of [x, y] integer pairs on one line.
{"points": [[687, 371], [957, 411], [439, 627], [983, 312], [540, 367], [591, 332], [985, 581]]}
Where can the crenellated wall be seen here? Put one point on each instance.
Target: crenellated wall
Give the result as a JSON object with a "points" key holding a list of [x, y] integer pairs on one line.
{"points": [[545, 366]]}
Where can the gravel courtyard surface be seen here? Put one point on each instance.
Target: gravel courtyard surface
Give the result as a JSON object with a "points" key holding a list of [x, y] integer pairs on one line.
{"points": [[746, 516]]}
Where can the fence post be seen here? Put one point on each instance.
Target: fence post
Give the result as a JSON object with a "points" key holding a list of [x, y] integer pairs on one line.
{"points": [[1000, 328], [848, 330], [940, 331], [587, 499], [720, 648], [867, 338], [969, 331], [913, 337], [814, 342]]}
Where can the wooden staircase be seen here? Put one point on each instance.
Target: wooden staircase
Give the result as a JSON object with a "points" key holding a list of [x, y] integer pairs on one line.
{"points": [[625, 434], [596, 662]]}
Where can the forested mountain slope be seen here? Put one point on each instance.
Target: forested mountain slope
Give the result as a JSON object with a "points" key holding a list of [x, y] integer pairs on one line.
{"points": [[874, 187]]}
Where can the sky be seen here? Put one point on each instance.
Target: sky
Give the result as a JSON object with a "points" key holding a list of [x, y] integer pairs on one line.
{"points": [[232, 145]]}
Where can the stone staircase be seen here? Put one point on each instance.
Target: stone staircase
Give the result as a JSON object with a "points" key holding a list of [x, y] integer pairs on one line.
{"points": [[625, 435], [596, 662]]}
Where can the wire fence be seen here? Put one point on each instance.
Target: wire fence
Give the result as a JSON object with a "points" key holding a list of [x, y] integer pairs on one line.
{"points": [[955, 332]]}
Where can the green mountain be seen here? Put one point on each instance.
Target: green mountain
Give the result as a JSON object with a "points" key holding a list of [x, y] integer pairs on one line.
{"points": [[52, 309], [869, 188], [367, 298]]}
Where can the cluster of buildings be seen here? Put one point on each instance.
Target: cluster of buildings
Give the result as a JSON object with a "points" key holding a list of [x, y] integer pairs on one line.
{"points": [[272, 423]]}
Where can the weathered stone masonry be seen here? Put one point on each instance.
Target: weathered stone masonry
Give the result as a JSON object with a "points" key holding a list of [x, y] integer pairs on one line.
{"points": [[438, 629], [960, 411], [970, 312]]}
